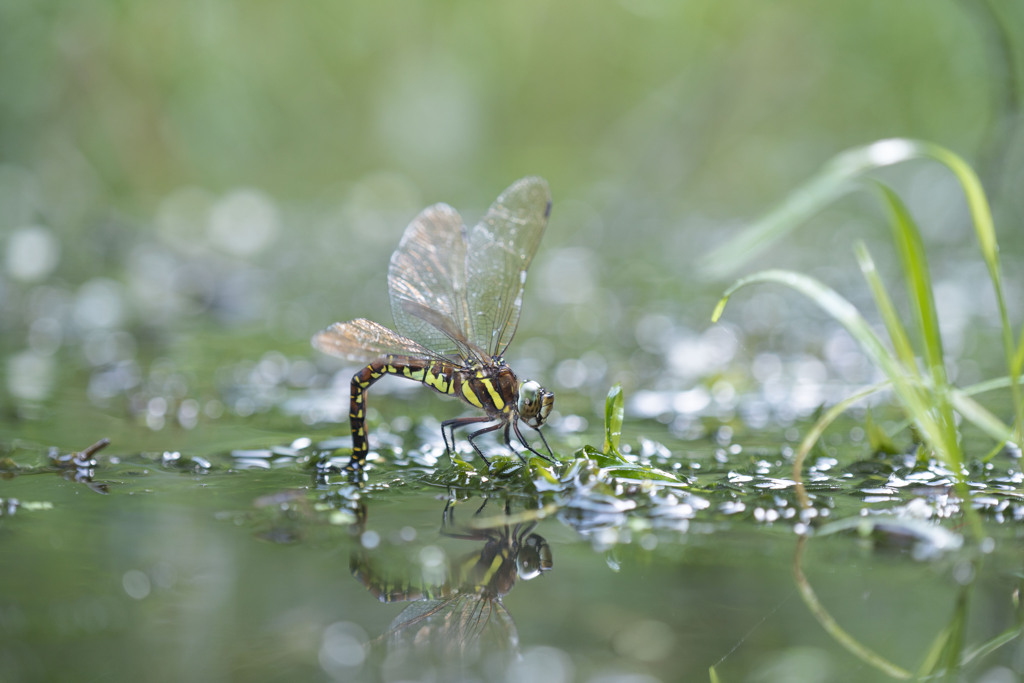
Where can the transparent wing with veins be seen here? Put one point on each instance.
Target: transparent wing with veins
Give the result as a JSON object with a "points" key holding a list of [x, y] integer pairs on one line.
{"points": [[363, 341], [427, 283], [458, 292], [501, 247]]}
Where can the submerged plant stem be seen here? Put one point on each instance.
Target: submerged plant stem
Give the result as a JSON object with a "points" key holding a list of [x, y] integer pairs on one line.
{"points": [[853, 645]]}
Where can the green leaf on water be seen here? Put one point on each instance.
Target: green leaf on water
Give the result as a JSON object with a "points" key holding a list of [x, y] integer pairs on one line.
{"points": [[602, 458], [613, 412], [545, 478], [504, 465], [641, 473]]}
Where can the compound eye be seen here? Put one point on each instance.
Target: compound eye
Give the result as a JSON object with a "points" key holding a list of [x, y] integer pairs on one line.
{"points": [[534, 403], [528, 393]]}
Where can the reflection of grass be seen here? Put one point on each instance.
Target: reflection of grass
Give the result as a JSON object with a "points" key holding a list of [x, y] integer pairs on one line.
{"points": [[916, 374]]}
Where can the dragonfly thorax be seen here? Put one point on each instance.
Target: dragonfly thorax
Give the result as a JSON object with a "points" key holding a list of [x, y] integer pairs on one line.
{"points": [[534, 403]]}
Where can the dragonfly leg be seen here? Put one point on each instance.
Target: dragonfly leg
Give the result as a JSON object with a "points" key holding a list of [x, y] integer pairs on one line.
{"points": [[490, 428], [451, 530], [456, 423], [551, 455]]}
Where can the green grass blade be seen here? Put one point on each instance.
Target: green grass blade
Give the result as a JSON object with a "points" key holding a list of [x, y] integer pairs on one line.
{"points": [[837, 178], [893, 325], [922, 302], [919, 283], [977, 415], [1008, 636], [613, 413], [988, 385], [977, 204], [984, 228]]}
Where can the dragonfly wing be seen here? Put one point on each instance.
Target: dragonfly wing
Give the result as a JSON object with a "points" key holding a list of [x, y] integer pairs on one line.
{"points": [[500, 249], [363, 341], [427, 283]]}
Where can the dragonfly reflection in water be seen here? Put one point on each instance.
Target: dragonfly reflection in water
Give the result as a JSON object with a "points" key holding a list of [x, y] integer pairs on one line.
{"points": [[458, 612], [456, 294]]}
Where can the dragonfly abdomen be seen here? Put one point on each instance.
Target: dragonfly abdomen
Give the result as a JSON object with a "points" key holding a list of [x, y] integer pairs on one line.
{"points": [[435, 375], [489, 388]]}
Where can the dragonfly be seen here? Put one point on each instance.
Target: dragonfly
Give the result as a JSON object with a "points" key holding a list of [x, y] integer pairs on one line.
{"points": [[456, 294]]}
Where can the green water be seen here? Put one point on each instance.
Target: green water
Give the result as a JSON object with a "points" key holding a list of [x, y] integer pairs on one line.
{"points": [[244, 565]]}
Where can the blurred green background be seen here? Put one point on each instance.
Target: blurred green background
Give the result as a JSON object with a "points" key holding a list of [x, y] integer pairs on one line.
{"points": [[192, 184], [189, 190]]}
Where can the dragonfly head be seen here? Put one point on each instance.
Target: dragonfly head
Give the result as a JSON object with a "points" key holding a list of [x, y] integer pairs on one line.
{"points": [[534, 403]]}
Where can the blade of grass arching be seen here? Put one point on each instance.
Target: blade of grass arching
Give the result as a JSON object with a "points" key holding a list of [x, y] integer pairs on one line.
{"points": [[907, 389], [799, 205], [922, 302], [984, 228], [832, 182], [981, 388], [890, 318], [1008, 636]]}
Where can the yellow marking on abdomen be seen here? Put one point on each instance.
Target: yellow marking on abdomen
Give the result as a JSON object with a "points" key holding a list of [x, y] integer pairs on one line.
{"points": [[417, 375], [437, 381]]}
